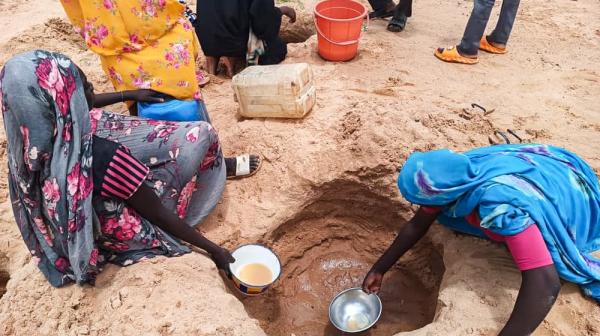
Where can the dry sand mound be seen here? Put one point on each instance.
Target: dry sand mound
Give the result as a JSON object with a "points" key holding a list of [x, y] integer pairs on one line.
{"points": [[326, 194]]}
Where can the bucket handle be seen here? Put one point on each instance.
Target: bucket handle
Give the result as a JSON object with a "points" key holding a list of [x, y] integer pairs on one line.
{"points": [[344, 43]]}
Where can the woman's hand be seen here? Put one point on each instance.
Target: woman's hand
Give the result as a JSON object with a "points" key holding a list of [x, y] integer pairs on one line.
{"points": [[289, 12], [372, 282], [222, 259], [149, 206], [145, 96]]}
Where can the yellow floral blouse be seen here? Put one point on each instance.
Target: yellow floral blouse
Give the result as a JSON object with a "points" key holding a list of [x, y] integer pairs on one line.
{"points": [[143, 44]]}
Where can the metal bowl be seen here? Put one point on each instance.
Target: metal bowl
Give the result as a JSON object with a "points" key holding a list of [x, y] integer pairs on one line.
{"points": [[353, 310]]}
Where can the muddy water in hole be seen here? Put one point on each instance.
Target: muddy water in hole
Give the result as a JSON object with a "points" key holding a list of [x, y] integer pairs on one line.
{"points": [[299, 303]]}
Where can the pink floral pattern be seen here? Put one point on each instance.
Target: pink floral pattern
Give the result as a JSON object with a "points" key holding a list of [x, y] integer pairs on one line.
{"points": [[60, 85], [62, 264], [177, 173], [125, 227], [39, 222], [211, 157], [143, 80], [95, 115], [109, 5], [184, 197], [178, 55], [162, 130], [150, 8], [54, 206], [94, 257], [192, 134], [94, 34], [51, 193], [114, 75], [25, 136], [47, 214], [152, 33]]}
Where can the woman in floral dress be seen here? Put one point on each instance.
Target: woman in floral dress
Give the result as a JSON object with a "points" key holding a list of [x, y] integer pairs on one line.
{"points": [[148, 44], [90, 187]]}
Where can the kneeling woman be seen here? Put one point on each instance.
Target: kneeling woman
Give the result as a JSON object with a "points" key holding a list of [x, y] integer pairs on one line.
{"points": [[543, 202], [89, 187], [239, 31]]}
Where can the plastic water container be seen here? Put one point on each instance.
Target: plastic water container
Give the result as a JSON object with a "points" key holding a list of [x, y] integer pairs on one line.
{"points": [[275, 91]]}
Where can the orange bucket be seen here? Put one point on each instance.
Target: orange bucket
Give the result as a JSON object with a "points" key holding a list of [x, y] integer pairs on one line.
{"points": [[339, 27]]}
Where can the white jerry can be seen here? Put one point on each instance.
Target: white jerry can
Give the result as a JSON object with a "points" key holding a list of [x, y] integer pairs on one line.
{"points": [[275, 91]]}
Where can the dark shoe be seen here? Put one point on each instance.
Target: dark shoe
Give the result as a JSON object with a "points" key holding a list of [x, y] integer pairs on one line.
{"points": [[397, 23]]}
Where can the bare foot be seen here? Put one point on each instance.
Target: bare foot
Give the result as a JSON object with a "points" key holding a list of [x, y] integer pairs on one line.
{"points": [[211, 64], [232, 64]]}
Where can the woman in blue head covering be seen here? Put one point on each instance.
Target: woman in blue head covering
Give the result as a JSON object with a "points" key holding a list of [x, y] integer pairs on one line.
{"points": [[543, 202]]}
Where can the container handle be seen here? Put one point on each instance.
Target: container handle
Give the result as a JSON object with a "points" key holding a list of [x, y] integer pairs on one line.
{"points": [[342, 43]]}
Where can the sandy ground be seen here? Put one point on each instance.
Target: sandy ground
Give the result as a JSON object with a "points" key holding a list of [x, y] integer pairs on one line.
{"points": [[326, 193]]}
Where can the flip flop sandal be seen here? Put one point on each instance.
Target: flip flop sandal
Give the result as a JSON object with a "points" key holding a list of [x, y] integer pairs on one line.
{"points": [[397, 24], [451, 55], [516, 135], [488, 47], [469, 113], [381, 14], [242, 167], [203, 79], [498, 138]]}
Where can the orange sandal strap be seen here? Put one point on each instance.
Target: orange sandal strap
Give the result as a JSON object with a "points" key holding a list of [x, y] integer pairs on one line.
{"points": [[487, 46], [451, 55]]}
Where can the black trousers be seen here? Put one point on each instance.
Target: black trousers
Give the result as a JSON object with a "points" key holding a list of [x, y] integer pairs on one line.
{"points": [[275, 52], [404, 7]]}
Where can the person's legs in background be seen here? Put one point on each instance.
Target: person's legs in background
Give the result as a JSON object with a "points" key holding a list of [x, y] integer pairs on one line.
{"points": [[508, 13], [381, 8], [475, 28], [401, 14]]}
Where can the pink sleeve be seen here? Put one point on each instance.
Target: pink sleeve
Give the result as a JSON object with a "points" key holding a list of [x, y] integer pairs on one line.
{"points": [[528, 249]]}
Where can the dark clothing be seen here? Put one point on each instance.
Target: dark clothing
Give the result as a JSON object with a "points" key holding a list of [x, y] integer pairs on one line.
{"points": [[479, 19], [115, 171], [405, 6], [223, 27]]}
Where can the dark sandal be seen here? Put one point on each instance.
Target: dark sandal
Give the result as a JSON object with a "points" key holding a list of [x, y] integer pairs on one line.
{"points": [[497, 138], [397, 23], [516, 135], [242, 169], [470, 113]]}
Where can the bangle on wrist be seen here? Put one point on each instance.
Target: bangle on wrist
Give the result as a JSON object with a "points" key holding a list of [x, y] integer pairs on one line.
{"points": [[122, 98]]}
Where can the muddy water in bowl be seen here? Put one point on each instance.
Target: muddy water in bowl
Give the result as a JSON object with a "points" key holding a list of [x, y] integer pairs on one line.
{"points": [[256, 274], [255, 269]]}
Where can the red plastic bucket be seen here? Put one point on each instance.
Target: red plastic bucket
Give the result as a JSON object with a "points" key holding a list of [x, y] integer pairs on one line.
{"points": [[339, 27]]}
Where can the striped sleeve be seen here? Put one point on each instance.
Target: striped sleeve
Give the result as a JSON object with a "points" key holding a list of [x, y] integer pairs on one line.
{"points": [[123, 176]]}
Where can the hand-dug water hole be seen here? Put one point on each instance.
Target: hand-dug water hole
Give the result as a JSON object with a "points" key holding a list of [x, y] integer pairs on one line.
{"points": [[328, 247]]}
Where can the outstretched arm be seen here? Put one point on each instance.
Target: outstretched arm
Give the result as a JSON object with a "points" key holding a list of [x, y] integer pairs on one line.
{"points": [[149, 206], [539, 289], [142, 95], [414, 230]]}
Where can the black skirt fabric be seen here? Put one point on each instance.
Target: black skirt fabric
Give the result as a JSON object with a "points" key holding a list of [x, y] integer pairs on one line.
{"points": [[223, 27]]}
